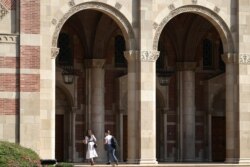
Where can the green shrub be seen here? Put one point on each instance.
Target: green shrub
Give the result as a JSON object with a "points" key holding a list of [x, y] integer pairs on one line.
{"points": [[14, 155], [63, 164]]}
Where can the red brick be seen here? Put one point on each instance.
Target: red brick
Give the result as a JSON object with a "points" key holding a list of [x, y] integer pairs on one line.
{"points": [[9, 62], [30, 16], [30, 83], [30, 57], [9, 106], [9, 82]]}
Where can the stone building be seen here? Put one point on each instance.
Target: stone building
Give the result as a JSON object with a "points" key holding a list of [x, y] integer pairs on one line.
{"points": [[169, 78]]}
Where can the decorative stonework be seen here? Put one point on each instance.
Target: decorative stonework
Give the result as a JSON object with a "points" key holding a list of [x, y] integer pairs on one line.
{"points": [[54, 21], [118, 6], [216, 9], [155, 25], [9, 4], [6, 38], [54, 52], [201, 11], [117, 16], [3, 11], [71, 3], [149, 55], [171, 7], [194, 1], [244, 59]]}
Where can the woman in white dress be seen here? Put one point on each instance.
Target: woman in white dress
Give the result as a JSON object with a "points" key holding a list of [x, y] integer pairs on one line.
{"points": [[90, 140]]}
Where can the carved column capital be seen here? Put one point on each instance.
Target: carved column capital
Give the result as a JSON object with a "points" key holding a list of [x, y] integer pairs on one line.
{"points": [[149, 56], [186, 66], [131, 55], [54, 52], [229, 58], [244, 58], [95, 63]]}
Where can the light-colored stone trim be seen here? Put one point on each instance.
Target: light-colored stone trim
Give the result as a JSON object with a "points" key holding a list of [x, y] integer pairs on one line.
{"points": [[244, 58], [54, 52], [8, 38], [9, 95], [114, 13], [30, 39], [3, 11], [213, 16], [19, 71], [149, 56]]}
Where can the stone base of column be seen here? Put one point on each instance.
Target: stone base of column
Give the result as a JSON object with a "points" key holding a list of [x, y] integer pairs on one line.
{"points": [[189, 160], [148, 161], [231, 160], [133, 161], [243, 161]]}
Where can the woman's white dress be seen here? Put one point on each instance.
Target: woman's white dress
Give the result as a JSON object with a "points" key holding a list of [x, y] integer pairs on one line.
{"points": [[91, 152]]}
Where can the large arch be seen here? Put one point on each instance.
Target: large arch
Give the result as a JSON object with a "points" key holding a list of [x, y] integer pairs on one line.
{"points": [[210, 15], [223, 32], [117, 16]]}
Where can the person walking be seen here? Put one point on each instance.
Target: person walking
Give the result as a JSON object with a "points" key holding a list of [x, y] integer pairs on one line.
{"points": [[91, 153], [109, 147]]}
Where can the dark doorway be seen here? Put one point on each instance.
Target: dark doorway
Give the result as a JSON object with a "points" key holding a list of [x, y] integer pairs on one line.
{"points": [[125, 137], [60, 138], [218, 139]]}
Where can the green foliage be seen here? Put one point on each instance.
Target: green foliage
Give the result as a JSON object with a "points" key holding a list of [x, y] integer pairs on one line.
{"points": [[63, 164], [14, 155]]}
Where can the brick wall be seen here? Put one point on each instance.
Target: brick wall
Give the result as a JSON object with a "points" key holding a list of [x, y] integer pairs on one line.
{"points": [[30, 57], [13, 82], [30, 16], [9, 62], [9, 106]]}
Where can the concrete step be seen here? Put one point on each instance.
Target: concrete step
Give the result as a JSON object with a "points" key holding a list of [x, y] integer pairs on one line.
{"points": [[167, 165]]}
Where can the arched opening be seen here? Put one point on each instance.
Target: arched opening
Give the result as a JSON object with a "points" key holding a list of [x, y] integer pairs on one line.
{"points": [[91, 46], [63, 131], [190, 62]]}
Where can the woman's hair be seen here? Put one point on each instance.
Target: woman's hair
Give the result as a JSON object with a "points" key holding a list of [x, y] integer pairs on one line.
{"points": [[89, 130], [107, 131]]}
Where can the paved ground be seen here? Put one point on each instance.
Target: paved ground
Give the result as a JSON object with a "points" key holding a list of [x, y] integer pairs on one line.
{"points": [[171, 165]]}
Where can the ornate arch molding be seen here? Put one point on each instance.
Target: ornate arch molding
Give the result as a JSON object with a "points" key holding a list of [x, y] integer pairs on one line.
{"points": [[211, 16], [117, 16]]}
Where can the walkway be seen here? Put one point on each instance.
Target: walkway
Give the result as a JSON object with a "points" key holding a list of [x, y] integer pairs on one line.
{"points": [[170, 165]]}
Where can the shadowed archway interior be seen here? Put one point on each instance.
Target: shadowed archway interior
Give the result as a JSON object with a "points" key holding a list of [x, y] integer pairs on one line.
{"points": [[190, 59]]}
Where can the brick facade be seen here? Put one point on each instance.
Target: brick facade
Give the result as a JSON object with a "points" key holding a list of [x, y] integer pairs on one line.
{"points": [[30, 57], [30, 16], [9, 106], [10, 62]]}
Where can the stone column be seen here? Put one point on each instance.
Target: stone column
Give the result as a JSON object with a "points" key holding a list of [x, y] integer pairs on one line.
{"points": [[230, 114], [147, 106], [73, 130], [243, 106], [243, 78], [132, 107], [97, 104], [187, 109]]}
